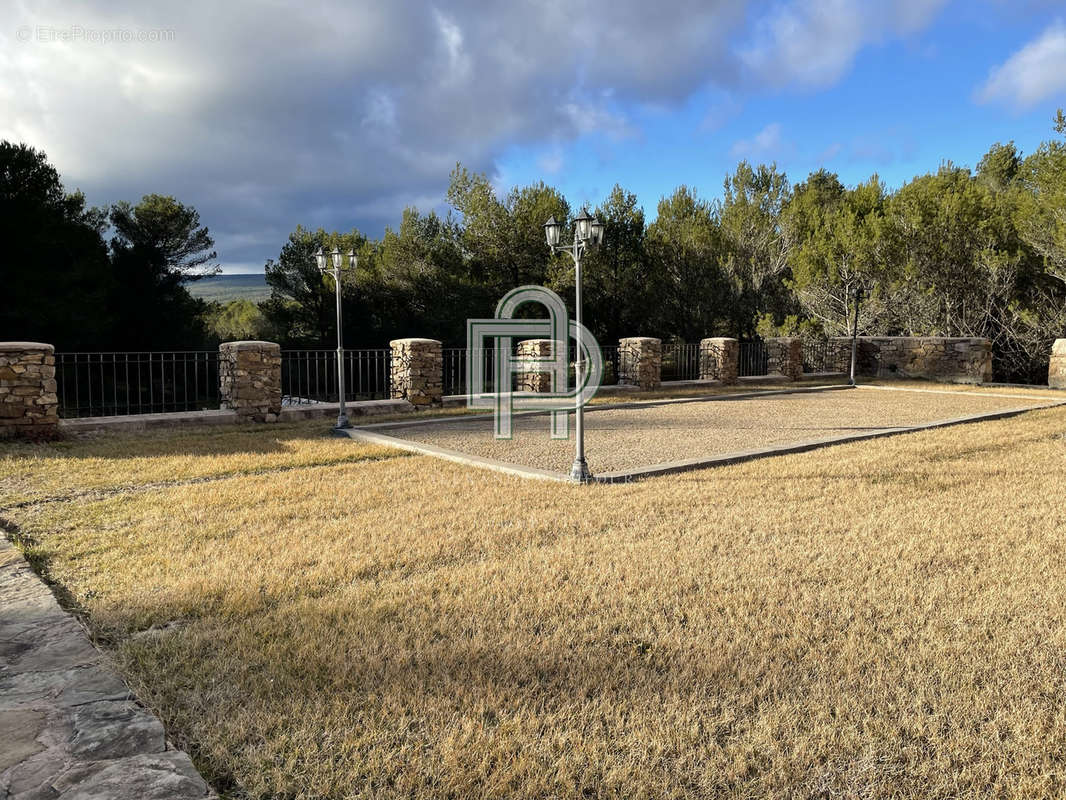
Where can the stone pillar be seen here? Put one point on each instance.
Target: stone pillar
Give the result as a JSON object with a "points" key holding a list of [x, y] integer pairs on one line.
{"points": [[785, 357], [249, 379], [530, 379], [1056, 371], [417, 371], [28, 402], [720, 359], [640, 362]]}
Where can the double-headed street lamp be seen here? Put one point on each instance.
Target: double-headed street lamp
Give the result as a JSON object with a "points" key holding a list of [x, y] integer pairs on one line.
{"points": [[322, 259], [855, 336], [588, 233]]}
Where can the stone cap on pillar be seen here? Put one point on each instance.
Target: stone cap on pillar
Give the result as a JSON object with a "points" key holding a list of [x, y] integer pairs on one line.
{"points": [[250, 345], [413, 340], [12, 347]]}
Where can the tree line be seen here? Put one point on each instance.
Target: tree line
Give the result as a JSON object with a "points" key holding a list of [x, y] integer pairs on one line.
{"points": [[65, 284], [955, 252]]}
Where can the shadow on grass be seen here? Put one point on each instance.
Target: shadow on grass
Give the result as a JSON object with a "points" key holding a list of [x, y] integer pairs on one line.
{"points": [[40, 561], [34, 473], [200, 441]]}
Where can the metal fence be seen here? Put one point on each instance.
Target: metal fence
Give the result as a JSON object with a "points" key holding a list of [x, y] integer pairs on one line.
{"points": [[110, 384], [611, 365], [106, 384], [455, 363], [680, 362], [310, 376], [753, 359]]}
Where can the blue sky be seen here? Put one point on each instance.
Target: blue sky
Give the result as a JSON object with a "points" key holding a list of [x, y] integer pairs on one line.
{"points": [[266, 116], [898, 110]]}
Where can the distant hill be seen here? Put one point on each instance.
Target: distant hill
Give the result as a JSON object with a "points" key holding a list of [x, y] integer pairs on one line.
{"points": [[223, 288]]}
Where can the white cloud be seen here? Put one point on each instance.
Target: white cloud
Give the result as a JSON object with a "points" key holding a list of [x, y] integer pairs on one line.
{"points": [[340, 115], [767, 143], [265, 116], [592, 118], [813, 42], [458, 61], [1033, 74]]}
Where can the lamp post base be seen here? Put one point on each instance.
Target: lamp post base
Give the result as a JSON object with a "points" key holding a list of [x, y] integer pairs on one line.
{"points": [[342, 421], [579, 471]]}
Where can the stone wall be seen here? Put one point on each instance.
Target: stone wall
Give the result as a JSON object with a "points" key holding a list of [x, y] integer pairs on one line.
{"points": [[720, 359], [28, 402], [640, 362], [1056, 371], [249, 379], [784, 356], [417, 371], [942, 358], [530, 379]]}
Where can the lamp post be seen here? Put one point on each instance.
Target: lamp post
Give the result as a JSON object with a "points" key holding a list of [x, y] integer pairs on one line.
{"points": [[330, 264], [588, 233], [855, 335]]}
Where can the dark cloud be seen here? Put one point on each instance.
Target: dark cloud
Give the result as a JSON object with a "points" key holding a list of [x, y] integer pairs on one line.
{"points": [[340, 114]]}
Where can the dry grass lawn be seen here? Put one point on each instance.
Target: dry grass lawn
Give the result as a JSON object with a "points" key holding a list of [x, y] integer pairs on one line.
{"points": [[316, 618]]}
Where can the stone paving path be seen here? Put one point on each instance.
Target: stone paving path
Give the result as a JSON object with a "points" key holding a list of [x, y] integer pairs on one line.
{"points": [[69, 727]]}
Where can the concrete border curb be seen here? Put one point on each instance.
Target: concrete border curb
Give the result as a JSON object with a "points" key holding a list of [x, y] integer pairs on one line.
{"points": [[371, 437], [968, 393], [654, 470], [178, 419], [369, 433]]}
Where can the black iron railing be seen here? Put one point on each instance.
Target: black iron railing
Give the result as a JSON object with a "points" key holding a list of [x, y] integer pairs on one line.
{"points": [[681, 362], [454, 365], [753, 359], [611, 365], [116, 383], [310, 376], [111, 384]]}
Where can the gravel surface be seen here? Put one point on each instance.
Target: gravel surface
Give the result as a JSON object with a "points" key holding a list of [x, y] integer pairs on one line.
{"points": [[621, 439]]}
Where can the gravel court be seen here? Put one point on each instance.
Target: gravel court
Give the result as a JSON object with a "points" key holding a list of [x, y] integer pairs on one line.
{"points": [[639, 437]]}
